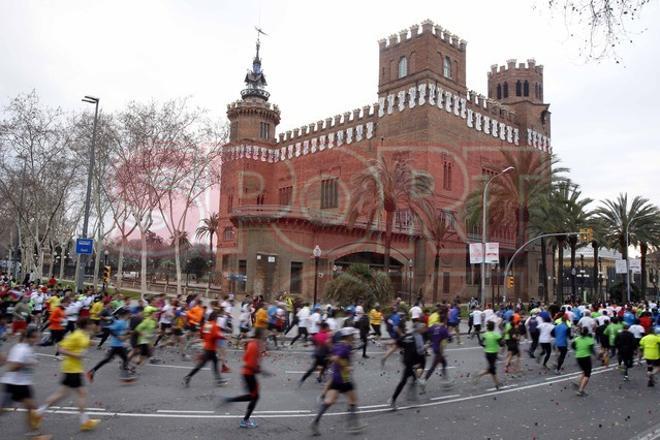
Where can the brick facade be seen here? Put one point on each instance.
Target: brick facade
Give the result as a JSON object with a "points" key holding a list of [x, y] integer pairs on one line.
{"points": [[278, 194]]}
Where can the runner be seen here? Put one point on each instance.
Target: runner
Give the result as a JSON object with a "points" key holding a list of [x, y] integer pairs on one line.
{"points": [[73, 347], [626, 345], [376, 320], [144, 332], [584, 348], [413, 358], [562, 333], [211, 334], [322, 343], [492, 341], [19, 378], [454, 322], [477, 322], [303, 323], [251, 367], [650, 345], [118, 331], [438, 336], [511, 339], [341, 383], [545, 339]]}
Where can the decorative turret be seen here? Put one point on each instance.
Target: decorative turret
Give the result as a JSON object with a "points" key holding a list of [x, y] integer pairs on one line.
{"points": [[516, 82], [253, 118], [255, 78]]}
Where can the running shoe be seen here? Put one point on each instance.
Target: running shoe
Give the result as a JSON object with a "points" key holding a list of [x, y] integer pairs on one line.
{"points": [[225, 368], [90, 376], [314, 427], [221, 382], [422, 386], [35, 420], [89, 424], [248, 424]]}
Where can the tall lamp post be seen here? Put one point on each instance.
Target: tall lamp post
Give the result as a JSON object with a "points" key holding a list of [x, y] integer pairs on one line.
{"points": [[484, 236], [90, 172], [410, 281], [317, 256]]}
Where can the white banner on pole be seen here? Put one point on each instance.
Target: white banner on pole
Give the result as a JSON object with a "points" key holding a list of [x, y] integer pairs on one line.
{"points": [[620, 266], [476, 253], [635, 265], [492, 253]]}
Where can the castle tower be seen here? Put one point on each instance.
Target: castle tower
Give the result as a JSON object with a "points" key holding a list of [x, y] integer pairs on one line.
{"points": [[253, 117], [421, 53], [514, 83]]}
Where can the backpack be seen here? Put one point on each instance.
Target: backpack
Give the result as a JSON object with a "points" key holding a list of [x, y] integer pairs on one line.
{"points": [[533, 325]]}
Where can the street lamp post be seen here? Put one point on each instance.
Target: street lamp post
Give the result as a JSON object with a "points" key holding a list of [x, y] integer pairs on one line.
{"points": [[628, 261], [410, 281], [90, 173], [484, 236], [317, 256]]}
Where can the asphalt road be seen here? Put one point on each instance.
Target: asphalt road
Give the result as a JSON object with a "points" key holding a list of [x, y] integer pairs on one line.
{"points": [[534, 405]]}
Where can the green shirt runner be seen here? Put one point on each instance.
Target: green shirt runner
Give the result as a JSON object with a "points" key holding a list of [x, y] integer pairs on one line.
{"points": [[491, 342], [583, 346]]}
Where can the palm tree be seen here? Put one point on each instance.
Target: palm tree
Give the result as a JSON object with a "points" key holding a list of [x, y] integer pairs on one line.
{"points": [[438, 228], [514, 193], [640, 218], [564, 210], [210, 226], [383, 188]]}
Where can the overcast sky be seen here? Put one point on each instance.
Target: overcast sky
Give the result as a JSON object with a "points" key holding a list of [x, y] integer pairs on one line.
{"points": [[321, 59]]}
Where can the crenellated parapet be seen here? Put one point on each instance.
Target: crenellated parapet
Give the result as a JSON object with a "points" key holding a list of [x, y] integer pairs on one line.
{"points": [[427, 27], [513, 65]]}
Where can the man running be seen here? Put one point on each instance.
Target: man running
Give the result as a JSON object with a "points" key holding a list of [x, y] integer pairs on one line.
{"points": [[18, 379], [413, 358], [73, 347], [584, 348], [251, 367], [341, 383], [211, 334], [322, 343], [492, 341], [438, 335], [626, 345], [562, 333], [118, 331], [650, 345]]}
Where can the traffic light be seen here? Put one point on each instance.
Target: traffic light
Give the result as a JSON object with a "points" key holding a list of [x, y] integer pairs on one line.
{"points": [[107, 270], [510, 282], [586, 235]]}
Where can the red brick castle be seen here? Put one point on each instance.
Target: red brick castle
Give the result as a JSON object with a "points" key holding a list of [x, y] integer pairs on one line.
{"points": [[283, 195]]}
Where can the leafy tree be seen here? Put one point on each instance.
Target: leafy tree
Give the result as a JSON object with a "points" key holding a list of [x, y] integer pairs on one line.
{"points": [[360, 283], [382, 189]]}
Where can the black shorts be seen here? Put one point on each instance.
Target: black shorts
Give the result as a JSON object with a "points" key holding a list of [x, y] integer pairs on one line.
{"points": [[585, 365], [145, 350], [36, 312], [342, 387], [164, 326], [652, 363], [492, 359], [57, 335], [177, 332], [244, 329], [73, 380], [96, 322], [512, 346], [192, 328], [376, 329], [18, 393], [452, 324], [477, 328]]}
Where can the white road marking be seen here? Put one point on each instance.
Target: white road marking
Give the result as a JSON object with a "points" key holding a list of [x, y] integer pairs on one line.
{"points": [[444, 397], [503, 387], [291, 411], [295, 372], [382, 405], [183, 411], [76, 408]]}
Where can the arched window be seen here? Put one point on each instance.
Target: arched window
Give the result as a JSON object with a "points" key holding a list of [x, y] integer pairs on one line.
{"points": [[541, 92], [536, 90], [526, 88], [446, 67], [403, 67], [499, 91], [518, 88], [505, 90]]}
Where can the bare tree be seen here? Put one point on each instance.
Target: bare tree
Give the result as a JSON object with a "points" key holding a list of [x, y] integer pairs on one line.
{"points": [[602, 25]]}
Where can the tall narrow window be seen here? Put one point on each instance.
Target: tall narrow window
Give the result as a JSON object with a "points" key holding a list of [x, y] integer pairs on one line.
{"points": [[285, 195], [260, 199], [403, 67], [518, 88], [228, 233], [505, 90], [295, 285], [499, 91], [541, 92], [446, 68], [230, 203], [445, 282], [447, 175], [526, 88], [329, 193], [536, 90], [264, 130]]}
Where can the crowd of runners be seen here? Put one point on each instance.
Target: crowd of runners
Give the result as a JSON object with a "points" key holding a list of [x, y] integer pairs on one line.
{"points": [[202, 330]]}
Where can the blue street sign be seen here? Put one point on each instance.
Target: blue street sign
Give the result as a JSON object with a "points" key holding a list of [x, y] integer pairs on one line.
{"points": [[84, 246]]}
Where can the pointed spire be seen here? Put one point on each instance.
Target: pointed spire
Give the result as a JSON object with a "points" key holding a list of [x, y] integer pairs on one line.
{"points": [[255, 78]]}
